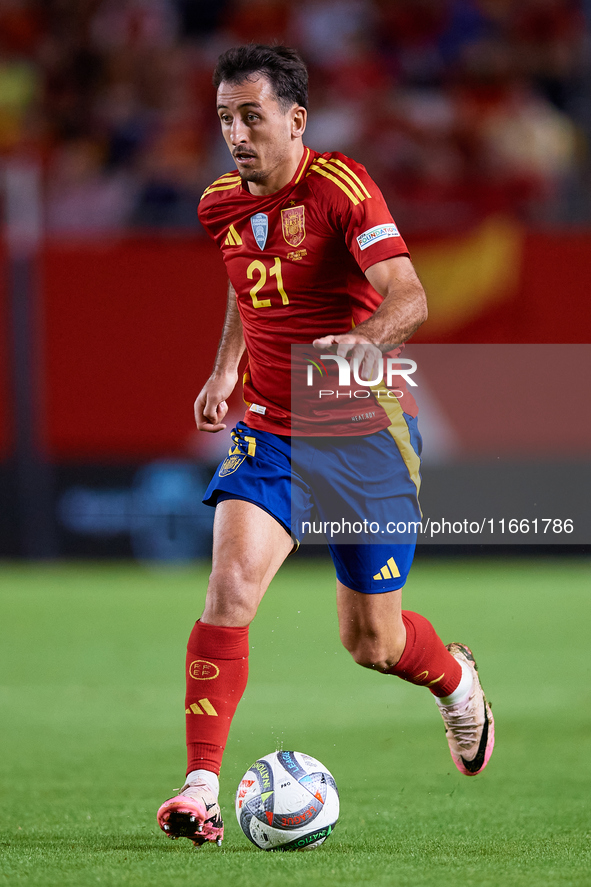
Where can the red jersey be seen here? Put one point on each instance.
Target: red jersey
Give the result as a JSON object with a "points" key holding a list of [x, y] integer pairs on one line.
{"points": [[296, 259]]}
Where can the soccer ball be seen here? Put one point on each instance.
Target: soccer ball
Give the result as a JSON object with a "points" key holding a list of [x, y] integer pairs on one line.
{"points": [[287, 801]]}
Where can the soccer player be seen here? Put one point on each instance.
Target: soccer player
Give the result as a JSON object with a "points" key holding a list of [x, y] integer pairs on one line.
{"points": [[314, 259]]}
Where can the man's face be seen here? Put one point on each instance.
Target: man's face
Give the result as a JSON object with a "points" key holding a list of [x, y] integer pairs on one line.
{"points": [[258, 131]]}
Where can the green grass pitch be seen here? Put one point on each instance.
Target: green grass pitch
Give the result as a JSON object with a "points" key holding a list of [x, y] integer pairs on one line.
{"points": [[91, 690]]}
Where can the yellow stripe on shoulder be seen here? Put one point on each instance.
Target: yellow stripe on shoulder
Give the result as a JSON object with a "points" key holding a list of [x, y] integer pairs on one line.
{"points": [[352, 180], [221, 187], [341, 184], [352, 174], [226, 177]]}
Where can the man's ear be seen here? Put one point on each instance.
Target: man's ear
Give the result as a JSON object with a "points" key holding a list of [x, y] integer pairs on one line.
{"points": [[298, 122]]}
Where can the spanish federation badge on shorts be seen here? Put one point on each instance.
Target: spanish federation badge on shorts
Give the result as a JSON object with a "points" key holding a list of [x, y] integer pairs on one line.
{"points": [[231, 463], [260, 228], [293, 225]]}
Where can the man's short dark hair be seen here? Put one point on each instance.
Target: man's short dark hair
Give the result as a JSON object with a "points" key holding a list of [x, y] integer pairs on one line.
{"points": [[282, 65]]}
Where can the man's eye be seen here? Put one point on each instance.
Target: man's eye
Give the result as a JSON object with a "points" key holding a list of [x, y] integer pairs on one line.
{"points": [[225, 118], [252, 117]]}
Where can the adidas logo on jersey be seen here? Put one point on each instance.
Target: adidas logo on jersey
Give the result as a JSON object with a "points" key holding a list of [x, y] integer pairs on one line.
{"points": [[388, 571], [233, 238]]}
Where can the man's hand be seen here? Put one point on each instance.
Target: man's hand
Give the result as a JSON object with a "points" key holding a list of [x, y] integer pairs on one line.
{"points": [[211, 406], [355, 347], [403, 310]]}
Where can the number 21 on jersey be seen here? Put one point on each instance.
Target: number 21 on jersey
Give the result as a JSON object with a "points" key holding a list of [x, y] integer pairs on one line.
{"points": [[259, 269]]}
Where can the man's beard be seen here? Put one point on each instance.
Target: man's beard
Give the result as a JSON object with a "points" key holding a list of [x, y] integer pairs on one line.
{"points": [[252, 175]]}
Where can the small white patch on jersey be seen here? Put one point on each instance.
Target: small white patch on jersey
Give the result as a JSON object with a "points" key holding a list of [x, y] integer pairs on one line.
{"points": [[373, 235], [257, 408], [260, 228]]}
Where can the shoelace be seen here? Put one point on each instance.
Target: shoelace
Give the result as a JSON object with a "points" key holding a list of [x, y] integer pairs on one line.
{"points": [[200, 787], [461, 723]]}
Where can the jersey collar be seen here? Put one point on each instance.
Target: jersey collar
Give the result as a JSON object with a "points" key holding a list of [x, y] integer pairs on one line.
{"points": [[307, 158]]}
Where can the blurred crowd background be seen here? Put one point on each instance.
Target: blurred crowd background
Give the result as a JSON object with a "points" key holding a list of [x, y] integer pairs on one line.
{"points": [[459, 108], [474, 117]]}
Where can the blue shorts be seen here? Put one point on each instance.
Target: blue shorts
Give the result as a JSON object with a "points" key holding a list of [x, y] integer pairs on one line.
{"points": [[359, 494]]}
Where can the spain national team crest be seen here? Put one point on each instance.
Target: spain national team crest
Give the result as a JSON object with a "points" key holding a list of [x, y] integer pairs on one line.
{"points": [[260, 228], [293, 225], [231, 463]]}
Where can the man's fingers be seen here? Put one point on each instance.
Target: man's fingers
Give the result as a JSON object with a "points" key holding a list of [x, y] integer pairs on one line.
{"points": [[211, 421], [340, 345], [325, 343], [366, 360], [365, 357], [220, 411], [201, 426], [209, 415], [344, 348], [214, 409], [368, 363]]}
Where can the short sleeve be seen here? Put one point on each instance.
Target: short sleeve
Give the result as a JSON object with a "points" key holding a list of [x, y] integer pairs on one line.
{"points": [[370, 233]]}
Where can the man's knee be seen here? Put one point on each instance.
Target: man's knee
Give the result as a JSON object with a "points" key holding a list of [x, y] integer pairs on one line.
{"points": [[233, 595], [374, 649]]}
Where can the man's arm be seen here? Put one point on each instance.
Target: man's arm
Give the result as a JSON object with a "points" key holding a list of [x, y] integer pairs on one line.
{"points": [[401, 313], [211, 406], [404, 308]]}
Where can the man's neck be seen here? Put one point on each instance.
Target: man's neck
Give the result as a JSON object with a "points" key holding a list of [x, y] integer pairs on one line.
{"points": [[279, 178]]}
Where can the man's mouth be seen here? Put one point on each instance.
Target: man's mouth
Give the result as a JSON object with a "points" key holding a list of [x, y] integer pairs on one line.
{"points": [[243, 156]]}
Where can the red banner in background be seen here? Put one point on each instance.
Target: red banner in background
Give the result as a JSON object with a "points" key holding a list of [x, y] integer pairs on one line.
{"points": [[131, 327], [500, 283], [132, 330]]}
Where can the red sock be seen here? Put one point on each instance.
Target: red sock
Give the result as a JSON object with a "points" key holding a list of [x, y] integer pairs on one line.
{"points": [[216, 673], [425, 660]]}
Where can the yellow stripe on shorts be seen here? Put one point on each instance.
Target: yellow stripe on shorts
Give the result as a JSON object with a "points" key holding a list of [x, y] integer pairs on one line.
{"points": [[399, 431]]}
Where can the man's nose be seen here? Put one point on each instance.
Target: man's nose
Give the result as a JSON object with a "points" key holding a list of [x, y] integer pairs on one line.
{"points": [[238, 132]]}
